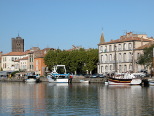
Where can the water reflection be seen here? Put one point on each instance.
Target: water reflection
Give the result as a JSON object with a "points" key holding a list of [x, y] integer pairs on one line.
{"points": [[125, 101], [75, 99]]}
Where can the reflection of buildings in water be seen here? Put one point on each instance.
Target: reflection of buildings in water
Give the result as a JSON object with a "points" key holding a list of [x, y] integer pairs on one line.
{"points": [[15, 97], [120, 100]]}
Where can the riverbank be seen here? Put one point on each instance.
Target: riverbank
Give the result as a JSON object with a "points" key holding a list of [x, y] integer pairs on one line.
{"points": [[75, 79]]}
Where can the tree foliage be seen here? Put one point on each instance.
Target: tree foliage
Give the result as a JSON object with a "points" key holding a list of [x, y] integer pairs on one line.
{"points": [[147, 57], [75, 61]]}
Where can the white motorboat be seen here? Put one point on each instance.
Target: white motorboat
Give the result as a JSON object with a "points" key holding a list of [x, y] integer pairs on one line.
{"points": [[84, 81], [151, 81], [54, 77], [32, 79]]}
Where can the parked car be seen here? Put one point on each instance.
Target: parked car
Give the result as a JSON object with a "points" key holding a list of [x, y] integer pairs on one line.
{"points": [[87, 76], [94, 76], [101, 76]]}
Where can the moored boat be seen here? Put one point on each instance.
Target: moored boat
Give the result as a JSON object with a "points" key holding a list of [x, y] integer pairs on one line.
{"points": [[55, 77], [32, 79], [151, 82], [84, 81], [124, 79]]}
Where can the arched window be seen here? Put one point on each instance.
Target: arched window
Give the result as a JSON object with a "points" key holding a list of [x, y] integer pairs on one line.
{"points": [[12, 58], [124, 47], [120, 68], [125, 68], [110, 67], [130, 57], [138, 55], [110, 48], [105, 50], [130, 67], [120, 57], [102, 69], [106, 58], [124, 57], [101, 58], [110, 57], [106, 68], [130, 46]]}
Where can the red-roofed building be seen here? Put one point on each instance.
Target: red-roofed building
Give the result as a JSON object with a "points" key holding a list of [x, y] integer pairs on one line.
{"points": [[121, 55], [10, 61]]}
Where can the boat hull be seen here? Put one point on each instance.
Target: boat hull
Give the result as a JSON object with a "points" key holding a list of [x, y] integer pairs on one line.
{"points": [[151, 82], [83, 81], [115, 81], [58, 80], [30, 80]]}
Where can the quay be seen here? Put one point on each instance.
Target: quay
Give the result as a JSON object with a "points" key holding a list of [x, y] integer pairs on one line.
{"points": [[76, 79]]}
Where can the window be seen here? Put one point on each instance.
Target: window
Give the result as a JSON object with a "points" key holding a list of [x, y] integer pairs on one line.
{"points": [[130, 67], [105, 50], [124, 46], [106, 68], [106, 58], [36, 62], [130, 56], [120, 68], [125, 68], [102, 68], [120, 57], [101, 48], [110, 48], [130, 46], [110, 67], [124, 57], [119, 47], [101, 58], [110, 57], [12, 58]]}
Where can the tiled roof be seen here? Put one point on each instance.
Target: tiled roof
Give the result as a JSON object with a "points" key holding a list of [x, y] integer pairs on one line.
{"points": [[128, 39], [14, 54]]}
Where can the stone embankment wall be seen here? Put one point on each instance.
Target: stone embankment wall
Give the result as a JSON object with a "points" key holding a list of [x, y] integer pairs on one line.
{"points": [[76, 79]]}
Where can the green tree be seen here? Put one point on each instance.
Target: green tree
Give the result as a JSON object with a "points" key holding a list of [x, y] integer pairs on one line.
{"points": [[74, 60], [146, 58]]}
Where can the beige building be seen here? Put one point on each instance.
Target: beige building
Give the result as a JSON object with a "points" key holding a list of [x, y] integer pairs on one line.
{"points": [[121, 55]]}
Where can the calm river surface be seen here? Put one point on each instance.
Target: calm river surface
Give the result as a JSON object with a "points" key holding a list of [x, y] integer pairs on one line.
{"points": [[47, 99]]}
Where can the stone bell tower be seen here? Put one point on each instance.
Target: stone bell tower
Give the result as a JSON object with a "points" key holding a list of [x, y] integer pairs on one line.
{"points": [[17, 44]]}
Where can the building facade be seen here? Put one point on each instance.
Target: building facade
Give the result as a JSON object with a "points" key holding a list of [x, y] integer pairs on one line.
{"points": [[10, 61], [17, 44], [121, 55]]}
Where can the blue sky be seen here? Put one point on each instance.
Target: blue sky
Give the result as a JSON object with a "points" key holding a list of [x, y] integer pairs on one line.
{"points": [[63, 23]]}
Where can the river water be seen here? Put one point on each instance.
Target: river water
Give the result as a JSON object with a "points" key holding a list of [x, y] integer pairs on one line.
{"points": [[47, 99]]}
